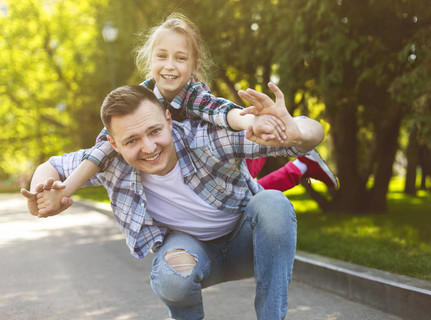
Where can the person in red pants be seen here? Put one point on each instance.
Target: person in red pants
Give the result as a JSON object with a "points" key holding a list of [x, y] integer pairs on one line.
{"points": [[310, 166]]}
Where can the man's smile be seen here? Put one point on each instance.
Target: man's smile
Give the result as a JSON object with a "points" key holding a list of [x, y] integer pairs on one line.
{"points": [[152, 158]]}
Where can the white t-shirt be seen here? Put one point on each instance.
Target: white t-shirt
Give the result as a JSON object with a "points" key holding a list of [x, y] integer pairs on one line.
{"points": [[173, 203]]}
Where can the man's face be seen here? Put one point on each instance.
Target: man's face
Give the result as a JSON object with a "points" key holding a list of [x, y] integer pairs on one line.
{"points": [[144, 139]]}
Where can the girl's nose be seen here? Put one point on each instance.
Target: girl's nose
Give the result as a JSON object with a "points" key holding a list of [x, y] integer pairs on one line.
{"points": [[169, 64]]}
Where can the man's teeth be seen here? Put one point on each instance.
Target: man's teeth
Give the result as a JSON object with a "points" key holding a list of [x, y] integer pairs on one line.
{"points": [[169, 76], [153, 158]]}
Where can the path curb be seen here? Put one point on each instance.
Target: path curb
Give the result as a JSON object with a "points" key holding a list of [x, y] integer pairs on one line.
{"points": [[399, 295]]}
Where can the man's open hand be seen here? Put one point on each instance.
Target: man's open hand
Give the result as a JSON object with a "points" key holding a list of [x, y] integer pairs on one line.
{"points": [[264, 105]]}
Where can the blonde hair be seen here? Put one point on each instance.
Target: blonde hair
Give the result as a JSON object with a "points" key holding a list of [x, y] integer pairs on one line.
{"points": [[181, 24]]}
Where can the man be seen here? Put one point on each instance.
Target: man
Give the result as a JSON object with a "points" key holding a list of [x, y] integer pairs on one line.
{"points": [[183, 191]]}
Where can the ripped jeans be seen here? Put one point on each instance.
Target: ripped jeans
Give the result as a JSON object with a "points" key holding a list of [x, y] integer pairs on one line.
{"points": [[262, 245]]}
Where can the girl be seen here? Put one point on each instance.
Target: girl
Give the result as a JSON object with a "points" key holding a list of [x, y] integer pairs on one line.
{"points": [[177, 63]]}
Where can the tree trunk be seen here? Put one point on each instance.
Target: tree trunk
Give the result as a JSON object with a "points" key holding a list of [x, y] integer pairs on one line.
{"points": [[412, 163], [387, 145], [344, 131], [353, 195], [425, 164]]}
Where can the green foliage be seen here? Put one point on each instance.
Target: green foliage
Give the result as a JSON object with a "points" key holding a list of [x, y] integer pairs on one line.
{"points": [[369, 62], [53, 77], [359, 67], [40, 77]]}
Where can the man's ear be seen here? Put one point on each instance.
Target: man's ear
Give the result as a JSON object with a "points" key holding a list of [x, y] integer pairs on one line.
{"points": [[168, 118], [113, 143]]}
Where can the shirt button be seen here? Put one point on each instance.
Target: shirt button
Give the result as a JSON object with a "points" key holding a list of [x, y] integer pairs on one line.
{"points": [[143, 204]]}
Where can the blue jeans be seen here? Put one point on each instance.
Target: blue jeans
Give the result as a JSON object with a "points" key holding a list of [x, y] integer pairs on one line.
{"points": [[262, 245]]}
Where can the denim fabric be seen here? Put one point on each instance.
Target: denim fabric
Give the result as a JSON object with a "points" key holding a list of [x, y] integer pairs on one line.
{"points": [[262, 245]]}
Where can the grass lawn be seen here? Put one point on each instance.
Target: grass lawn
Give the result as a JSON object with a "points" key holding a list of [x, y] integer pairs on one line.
{"points": [[398, 241]]}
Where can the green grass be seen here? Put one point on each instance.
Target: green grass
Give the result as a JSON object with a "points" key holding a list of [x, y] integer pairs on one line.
{"points": [[398, 241], [93, 193]]}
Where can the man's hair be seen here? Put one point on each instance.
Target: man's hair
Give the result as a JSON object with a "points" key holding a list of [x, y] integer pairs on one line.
{"points": [[125, 100]]}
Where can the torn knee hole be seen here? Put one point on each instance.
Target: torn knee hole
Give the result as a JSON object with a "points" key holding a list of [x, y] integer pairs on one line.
{"points": [[181, 261]]}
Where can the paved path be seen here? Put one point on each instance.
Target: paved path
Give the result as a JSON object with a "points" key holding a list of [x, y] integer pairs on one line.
{"points": [[76, 266]]}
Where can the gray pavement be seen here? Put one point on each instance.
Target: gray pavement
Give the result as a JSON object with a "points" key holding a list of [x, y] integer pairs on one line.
{"points": [[77, 266]]}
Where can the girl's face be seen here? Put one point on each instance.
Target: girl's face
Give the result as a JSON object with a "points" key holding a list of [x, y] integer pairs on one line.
{"points": [[172, 63]]}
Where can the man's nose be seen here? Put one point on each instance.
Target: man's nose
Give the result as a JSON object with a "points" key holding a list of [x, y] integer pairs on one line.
{"points": [[148, 146]]}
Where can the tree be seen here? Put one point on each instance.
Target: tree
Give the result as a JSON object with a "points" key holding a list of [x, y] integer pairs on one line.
{"points": [[419, 145], [356, 55], [360, 67], [53, 78]]}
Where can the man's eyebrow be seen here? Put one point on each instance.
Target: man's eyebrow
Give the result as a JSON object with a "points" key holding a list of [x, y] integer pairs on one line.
{"points": [[132, 136], [135, 135]]}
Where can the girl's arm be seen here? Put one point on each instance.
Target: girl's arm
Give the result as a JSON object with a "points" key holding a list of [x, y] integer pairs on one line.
{"points": [[238, 122], [95, 160], [85, 171], [199, 103], [267, 127]]}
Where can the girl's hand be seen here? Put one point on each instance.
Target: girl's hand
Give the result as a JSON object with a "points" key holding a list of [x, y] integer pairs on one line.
{"points": [[268, 128]]}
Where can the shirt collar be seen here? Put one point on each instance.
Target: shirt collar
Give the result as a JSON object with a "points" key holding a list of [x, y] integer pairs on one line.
{"points": [[177, 102], [158, 94]]}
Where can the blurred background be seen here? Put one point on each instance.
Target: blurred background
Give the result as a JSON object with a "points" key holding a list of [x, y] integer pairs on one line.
{"points": [[362, 68]]}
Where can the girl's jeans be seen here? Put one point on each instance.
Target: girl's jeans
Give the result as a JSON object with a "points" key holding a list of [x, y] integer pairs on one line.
{"points": [[262, 245]]}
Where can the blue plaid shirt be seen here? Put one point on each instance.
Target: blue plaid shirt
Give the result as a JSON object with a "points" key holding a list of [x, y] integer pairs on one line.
{"points": [[211, 161]]}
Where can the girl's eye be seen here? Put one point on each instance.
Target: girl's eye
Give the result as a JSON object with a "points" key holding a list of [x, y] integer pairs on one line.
{"points": [[161, 56], [182, 58]]}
